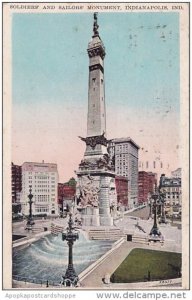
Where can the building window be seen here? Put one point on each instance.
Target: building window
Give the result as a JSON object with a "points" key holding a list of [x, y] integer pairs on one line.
{"points": [[154, 164], [147, 164], [101, 81]]}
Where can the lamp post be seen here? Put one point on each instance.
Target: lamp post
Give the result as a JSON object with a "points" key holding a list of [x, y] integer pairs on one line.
{"points": [[159, 207], [150, 206], [70, 278], [155, 234], [30, 221], [163, 217]]}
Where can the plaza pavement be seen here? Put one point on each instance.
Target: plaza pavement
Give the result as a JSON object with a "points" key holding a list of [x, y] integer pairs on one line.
{"points": [[19, 227], [142, 213], [128, 223], [110, 264]]}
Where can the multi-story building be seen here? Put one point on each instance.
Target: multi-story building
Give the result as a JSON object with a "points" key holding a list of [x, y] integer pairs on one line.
{"points": [[66, 193], [43, 177], [60, 187], [176, 173], [152, 181], [153, 160], [124, 152], [147, 182], [155, 166], [121, 184], [143, 184], [16, 182], [173, 193]]}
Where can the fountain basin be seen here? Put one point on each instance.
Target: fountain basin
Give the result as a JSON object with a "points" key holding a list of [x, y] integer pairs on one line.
{"points": [[47, 258]]}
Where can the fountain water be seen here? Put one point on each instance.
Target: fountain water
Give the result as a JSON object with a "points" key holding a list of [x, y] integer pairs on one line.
{"points": [[47, 258]]}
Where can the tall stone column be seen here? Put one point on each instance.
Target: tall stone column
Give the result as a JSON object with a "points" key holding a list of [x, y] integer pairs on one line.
{"points": [[96, 165]]}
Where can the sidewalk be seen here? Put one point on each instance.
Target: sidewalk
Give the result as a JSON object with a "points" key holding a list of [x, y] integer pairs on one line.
{"points": [[112, 262]]}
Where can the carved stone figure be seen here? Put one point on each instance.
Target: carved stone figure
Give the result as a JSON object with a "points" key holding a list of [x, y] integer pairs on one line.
{"points": [[92, 141], [89, 192], [105, 162], [95, 25]]}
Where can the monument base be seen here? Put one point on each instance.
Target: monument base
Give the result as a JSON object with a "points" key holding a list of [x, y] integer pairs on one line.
{"points": [[106, 220], [156, 238], [96, 191], [90, 216]]}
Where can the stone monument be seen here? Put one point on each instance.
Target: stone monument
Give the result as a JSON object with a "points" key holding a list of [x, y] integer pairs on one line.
{"points": [[96, 191]]}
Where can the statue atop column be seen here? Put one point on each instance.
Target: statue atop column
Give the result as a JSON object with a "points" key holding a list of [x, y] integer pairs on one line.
{"points": [[95, 25]]}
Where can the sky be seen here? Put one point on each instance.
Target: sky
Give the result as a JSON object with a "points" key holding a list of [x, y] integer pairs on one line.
{"points": [[50, 85]]}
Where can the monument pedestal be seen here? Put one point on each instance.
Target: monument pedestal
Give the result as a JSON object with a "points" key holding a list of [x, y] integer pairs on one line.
{"points": [[104, 201], [90, 216], [88, 182], [106, 220]]}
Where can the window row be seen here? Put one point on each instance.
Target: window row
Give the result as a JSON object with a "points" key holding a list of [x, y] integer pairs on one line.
{"points": [[42, 190], [147, 164], [41, 209]]}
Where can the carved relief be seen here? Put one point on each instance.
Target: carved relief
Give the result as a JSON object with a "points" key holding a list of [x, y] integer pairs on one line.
{"points": [[86, 164], [95, 140], [89, 192], [96, 51], [102, 163]]}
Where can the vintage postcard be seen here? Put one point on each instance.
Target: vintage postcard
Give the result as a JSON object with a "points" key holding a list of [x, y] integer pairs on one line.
{"points": [[96, 147]]}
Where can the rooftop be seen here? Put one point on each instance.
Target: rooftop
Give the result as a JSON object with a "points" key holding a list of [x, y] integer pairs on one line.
{"points": [[35, 166], [125, 140]]}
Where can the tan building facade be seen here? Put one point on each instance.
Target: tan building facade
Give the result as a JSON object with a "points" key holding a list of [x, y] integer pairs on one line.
{"points": [[43, 177], [173, 194], [124, 152]]}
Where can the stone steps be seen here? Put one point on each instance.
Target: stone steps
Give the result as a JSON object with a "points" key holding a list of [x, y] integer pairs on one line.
{"points": [[140, 239], [56, 228], [34, 229], [105, 234], [37, 229]]}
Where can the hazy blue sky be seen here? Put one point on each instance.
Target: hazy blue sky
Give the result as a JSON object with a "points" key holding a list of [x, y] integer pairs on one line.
{"points": [[50, 83]]}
